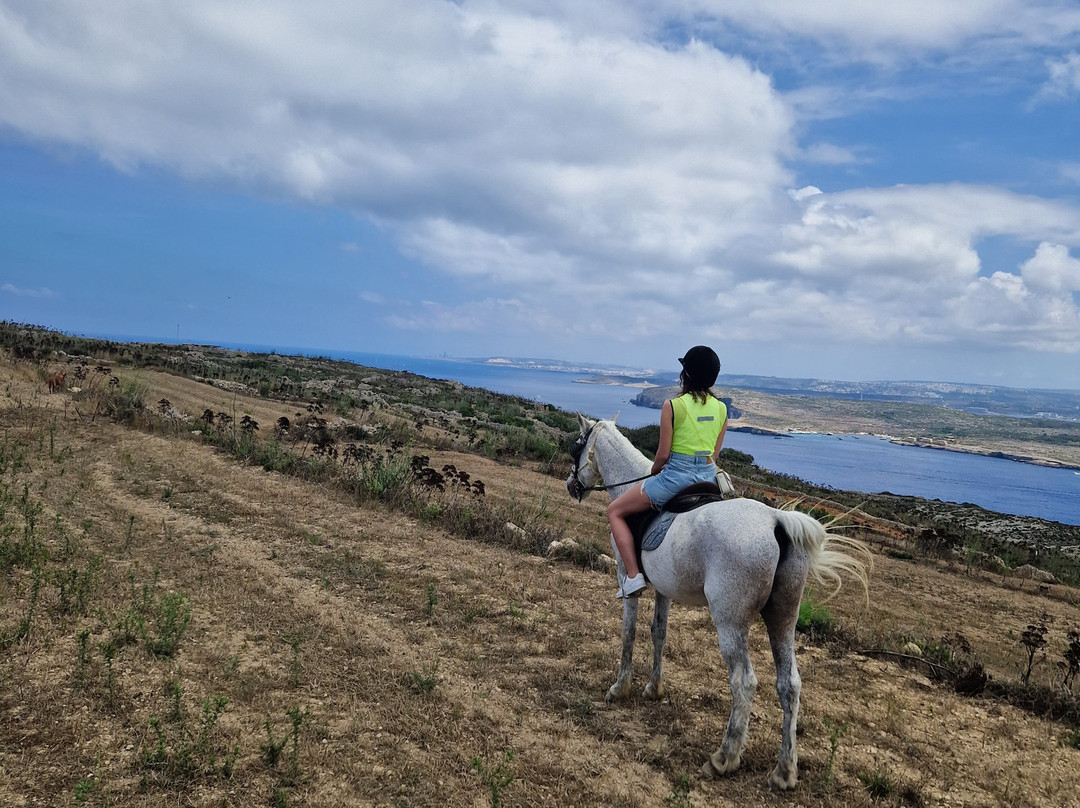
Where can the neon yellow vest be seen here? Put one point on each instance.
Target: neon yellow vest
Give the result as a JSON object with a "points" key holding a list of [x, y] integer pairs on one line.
{"points": [[697, 426]]}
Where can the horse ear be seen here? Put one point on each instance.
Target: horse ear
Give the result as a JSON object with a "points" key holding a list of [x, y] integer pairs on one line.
{"points": [[582, 421], [615, 418]]}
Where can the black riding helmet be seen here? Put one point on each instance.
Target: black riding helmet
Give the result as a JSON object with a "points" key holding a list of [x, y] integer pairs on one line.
{"points": [[701, 366]]}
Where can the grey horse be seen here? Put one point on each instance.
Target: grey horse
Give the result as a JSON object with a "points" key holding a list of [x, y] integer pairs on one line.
{"points": [[739, 557]]}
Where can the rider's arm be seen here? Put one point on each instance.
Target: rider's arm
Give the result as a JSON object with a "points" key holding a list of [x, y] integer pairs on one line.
{"points": [[719, 443], [663, 451]]}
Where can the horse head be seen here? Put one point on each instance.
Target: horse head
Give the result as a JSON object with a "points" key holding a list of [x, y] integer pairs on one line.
{"points": [[584, 474]]}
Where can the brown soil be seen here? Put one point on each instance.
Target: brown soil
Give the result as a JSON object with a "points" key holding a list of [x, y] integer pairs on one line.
{"points": [[427, 669]]}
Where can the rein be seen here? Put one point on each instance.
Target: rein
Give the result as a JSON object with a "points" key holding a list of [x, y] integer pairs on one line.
{"points": [[580, 489]]}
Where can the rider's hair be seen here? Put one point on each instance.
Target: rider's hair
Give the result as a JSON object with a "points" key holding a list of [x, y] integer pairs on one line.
{"points": [[700, 394]]}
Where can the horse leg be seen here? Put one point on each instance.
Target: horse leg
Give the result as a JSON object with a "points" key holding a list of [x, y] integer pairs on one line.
{"points": [[743, 685], [621, 688], [781, 613], [780, 621], [655, 688]]}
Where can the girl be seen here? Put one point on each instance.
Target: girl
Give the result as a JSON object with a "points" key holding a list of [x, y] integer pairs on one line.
{"points": [[692, 428]]}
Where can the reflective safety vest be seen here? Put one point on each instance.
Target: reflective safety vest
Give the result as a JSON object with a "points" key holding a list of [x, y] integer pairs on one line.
{"points": [[697, 426]]}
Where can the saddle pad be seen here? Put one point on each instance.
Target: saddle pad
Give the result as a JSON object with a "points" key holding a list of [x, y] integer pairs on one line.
{"points": [[649, 527], [657, 530]]}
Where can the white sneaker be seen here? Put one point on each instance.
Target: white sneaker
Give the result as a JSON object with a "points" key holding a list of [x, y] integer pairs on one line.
{"points": [[632, 587]]}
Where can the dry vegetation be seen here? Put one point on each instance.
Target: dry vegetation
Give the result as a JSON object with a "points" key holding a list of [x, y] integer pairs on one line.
{"points": [[182, 628]]}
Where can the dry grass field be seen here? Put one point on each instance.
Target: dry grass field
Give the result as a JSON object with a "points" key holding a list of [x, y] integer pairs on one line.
{"points": [[182, 629]]}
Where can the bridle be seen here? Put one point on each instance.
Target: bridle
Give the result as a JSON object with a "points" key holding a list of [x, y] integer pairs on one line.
{"points": [[577, 488]]}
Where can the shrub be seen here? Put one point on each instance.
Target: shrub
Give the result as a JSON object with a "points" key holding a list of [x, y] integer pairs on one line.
{"points": [[558, 420], [123, 401], [815, 620]]}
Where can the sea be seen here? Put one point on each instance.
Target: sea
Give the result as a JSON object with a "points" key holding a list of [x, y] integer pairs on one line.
{"points": [[842, 462]]}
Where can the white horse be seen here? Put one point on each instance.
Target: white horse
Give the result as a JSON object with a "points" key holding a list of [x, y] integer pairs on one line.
{"points": [[741, 558]]}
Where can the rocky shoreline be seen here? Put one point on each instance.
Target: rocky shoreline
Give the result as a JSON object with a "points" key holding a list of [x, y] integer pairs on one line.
{"points": [[983, 452], [919, 444]]}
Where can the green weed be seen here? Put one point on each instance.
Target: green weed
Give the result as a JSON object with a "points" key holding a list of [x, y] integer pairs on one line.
{"points": [[182, 752], [21, 631], [75, 586], [496, 778], [423, 681], [836, 732], [273, 748], [171, 615], [879, 784], [108, 651], [83, 789], [815, 620], [680, 793]]}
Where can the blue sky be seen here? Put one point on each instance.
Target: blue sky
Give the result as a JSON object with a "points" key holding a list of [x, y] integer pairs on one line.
{"points": [[845, 190]]}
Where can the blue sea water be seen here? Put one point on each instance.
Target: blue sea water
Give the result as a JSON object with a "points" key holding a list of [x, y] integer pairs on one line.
{"points": [[557, 387], [848, 462], [874, 465]]}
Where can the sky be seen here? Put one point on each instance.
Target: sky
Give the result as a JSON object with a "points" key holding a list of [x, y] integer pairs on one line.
{"points": [[845, 190]]}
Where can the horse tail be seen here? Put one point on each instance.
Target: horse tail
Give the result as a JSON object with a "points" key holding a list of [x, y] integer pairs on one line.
{"points": [[829, 554]]}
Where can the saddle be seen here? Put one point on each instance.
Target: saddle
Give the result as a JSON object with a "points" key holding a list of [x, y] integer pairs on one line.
{"points": [[649, 527]]}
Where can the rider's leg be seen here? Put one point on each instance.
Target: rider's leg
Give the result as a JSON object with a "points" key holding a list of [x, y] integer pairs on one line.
{"points": [[633, 501]]}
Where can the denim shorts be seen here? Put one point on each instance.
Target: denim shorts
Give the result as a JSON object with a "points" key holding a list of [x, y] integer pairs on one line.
{"points": [[680, 471]]}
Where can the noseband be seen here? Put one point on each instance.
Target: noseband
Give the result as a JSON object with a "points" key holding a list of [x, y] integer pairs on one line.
{"points": [[578, 489]]}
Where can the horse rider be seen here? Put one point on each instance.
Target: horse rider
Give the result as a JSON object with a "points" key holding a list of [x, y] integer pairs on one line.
{"points": [[692, 427]]}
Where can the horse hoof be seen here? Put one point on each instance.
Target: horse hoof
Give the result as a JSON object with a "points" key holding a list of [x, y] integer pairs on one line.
{"points": [[720, 763], [654, 690], [616, 692], [783, 780]]}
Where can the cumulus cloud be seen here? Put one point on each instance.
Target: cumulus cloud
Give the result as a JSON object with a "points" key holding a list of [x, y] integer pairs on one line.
{"points": [[901, 264], [1052, 269], [573, 168]]}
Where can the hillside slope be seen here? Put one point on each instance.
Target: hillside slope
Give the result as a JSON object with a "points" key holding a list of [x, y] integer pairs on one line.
{"points": [[368, 658]]}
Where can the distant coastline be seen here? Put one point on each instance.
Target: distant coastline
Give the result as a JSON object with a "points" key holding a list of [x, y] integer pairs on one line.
{"points": [[617, 381]]}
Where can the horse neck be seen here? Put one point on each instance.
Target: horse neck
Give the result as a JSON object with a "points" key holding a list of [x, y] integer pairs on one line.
{"points": [[619, 460]]}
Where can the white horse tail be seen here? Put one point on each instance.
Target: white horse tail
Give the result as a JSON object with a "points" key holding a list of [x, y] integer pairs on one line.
{"points": [[825, 551]]}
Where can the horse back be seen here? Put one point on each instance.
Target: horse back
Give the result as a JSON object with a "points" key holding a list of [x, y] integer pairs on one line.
{"points": [[722, 546]]}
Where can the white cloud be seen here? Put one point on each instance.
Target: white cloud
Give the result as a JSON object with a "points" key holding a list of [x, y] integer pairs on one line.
{"points": [[475, 317], [1063, 78], [830, 154], [1070, 172], [570, 170], [883, 32], [374, 298], [1052, 269], [12, 289], [900, 266]]}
